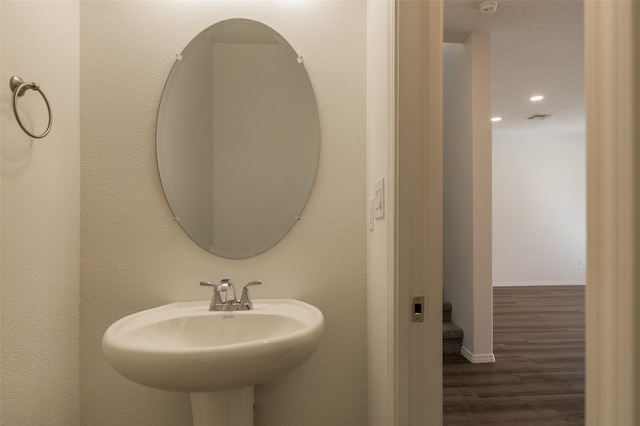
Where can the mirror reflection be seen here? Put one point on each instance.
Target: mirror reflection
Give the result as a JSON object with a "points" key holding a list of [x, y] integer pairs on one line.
{"points": [[238, 138]]}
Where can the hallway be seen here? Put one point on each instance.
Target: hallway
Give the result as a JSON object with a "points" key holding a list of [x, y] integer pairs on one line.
{"points": [[538, 377]]}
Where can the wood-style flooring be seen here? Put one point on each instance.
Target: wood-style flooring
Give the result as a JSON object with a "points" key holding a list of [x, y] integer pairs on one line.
{"points": [[538, 376]]}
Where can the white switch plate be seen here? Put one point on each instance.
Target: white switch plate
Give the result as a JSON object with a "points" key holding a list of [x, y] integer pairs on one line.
{"points": [[378, 196], [370, 220]]}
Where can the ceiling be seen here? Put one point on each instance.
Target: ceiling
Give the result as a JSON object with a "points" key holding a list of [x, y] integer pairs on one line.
{"points": [[537, 49]]}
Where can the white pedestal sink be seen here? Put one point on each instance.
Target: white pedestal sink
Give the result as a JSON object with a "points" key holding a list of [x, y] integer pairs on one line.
{"points": [[218, 357]]}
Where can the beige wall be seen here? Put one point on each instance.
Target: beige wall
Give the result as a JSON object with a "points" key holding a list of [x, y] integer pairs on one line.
{"points": [[135, 257], [458, 179], [467, 193], [40, 216]]}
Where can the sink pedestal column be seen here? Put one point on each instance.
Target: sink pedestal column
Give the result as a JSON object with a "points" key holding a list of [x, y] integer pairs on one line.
{"points": [[225, 408]]}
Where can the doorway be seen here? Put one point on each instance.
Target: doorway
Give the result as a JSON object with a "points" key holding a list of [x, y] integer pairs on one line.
{"points": [[539, 182], [612, 103]]}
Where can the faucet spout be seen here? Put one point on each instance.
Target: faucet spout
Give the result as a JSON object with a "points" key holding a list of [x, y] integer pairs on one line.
{"points": [[229, 302], [218, 303], [226, 285]]}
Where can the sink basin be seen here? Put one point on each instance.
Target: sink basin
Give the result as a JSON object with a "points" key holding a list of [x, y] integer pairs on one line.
{"points": [[185, 347]]}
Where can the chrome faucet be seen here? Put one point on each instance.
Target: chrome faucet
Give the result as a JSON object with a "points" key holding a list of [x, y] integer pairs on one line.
{"points": [[229, 302]]}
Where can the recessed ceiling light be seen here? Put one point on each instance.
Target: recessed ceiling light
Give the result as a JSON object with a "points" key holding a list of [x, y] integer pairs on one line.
{"points": [[536, 98], [496, 119]]}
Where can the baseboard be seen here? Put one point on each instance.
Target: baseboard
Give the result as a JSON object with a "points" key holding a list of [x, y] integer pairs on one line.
{"points": [[477, 358], [537, 283]]}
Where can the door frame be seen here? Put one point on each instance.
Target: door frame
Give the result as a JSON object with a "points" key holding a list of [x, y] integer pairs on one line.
{"points": [[612, 56], [418, 210]]}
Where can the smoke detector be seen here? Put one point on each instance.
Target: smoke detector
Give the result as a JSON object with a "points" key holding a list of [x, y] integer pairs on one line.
{"points": [[488, 7]]}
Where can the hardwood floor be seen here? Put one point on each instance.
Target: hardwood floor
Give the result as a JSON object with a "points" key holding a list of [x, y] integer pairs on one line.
{"points": [[538, 376]]}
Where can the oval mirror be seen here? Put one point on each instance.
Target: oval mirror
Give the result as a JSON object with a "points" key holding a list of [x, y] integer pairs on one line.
{"points": [[237, 138]]}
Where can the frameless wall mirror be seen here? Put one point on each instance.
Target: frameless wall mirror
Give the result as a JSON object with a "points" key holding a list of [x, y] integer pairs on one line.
{"points": [[237, 138]]}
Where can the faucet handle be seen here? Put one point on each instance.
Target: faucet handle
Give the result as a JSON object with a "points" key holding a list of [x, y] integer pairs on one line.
{"points": [[246, 303], [216, 300], [217, 287]]}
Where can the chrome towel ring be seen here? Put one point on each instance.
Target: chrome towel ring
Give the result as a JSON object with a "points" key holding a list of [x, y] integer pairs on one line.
{"points": [[18, 87]]}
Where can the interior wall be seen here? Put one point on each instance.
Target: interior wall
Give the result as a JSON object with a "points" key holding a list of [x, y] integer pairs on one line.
{"points": [[478, 46], [467, 193], [135, 257], [39, 216], [380, 252], [539, 206], [458, 184]]}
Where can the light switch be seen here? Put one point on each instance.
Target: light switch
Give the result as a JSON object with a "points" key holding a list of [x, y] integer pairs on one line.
{"points": [[378, 197], [370, 220]]}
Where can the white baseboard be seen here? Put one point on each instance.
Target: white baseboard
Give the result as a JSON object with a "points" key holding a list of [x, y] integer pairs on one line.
{"points": [[478, 358], [537, 283]]}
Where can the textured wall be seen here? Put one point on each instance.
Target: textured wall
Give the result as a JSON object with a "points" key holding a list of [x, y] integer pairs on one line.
{"points": [[40, 216], [133, 255]]}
